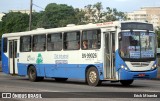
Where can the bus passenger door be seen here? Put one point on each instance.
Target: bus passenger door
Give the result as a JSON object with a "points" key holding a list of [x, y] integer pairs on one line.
{"points": [[13, 57], [109, 57]]}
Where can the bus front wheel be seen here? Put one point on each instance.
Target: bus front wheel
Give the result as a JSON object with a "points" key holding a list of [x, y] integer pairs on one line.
{"points": [[126, 82], [93, 77]]}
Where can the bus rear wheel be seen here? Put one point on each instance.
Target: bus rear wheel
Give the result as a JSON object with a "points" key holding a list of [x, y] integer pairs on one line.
{"points": [[126, 82], [93, 77], [32, 74]]}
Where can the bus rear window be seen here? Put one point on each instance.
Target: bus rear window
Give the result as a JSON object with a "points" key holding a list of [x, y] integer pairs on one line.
{"points": [[5, 45]]}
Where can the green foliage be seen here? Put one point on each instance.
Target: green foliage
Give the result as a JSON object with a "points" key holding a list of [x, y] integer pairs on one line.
{"points": [[36, 19], [79, 16], [59, 15], [96, 14], [14, 22]]}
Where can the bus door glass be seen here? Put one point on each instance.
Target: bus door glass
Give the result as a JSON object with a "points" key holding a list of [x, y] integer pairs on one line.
{"points": [[13, 57], [109, 58]]}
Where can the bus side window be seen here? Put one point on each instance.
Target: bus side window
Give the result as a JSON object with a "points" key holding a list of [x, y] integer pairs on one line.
{"points": [[25, 43], [39, 42], [91, 39], [72, 40], [54, 42], [5, 40], [85, 44]]}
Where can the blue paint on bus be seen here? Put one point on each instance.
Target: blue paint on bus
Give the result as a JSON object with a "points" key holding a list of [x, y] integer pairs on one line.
{"points": [[128, 75], [5, 67], [60, 70]]}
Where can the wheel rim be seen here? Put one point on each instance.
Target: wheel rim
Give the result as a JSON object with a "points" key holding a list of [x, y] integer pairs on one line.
{"points": [[92, 76]]}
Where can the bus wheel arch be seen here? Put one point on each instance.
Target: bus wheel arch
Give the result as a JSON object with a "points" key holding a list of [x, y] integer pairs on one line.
{"points": [[32, 74], [92, 77]]}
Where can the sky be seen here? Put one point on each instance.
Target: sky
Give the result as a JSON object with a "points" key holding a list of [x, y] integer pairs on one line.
{"points": [[39, 5]]}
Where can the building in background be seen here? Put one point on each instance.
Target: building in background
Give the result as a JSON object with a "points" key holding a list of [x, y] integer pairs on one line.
{"points": [[148, 14], [1, 15]]}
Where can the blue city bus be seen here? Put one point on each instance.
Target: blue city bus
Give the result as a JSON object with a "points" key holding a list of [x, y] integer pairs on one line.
{"points": [[121, 51]]}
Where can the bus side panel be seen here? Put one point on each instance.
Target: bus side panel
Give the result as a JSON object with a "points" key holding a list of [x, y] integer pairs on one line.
{"points": [[69, 70], [41, 69], [65, 71], [56, 70], [5, 60], [22, 69], [5, 67], [76, 71]]}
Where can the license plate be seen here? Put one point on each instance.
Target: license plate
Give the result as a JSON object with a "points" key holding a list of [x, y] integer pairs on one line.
{"points": [[141, 75]]}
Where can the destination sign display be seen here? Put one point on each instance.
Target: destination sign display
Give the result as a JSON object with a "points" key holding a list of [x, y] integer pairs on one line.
{"points": [[136, 26]]}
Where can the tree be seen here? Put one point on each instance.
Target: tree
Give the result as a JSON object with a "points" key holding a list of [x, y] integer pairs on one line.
{"points": [[98, 14], [89, 14], [113, 15], [80, 16], [1, 28], [36, 20], [14, 22], [94, 13], [58, 15]]}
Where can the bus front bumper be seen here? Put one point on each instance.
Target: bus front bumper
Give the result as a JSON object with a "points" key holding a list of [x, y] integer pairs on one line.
{"points": [[129, 75]]}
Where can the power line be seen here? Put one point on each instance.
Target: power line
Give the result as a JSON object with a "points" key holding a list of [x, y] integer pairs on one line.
{"points": [[37, 6], [30, 16]]}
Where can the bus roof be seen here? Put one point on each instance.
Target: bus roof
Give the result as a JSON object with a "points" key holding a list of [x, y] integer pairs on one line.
{"points": [[66, 29]]}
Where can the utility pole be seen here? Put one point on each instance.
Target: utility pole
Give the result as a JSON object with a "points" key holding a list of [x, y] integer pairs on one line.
{"points": [[30, 16]]}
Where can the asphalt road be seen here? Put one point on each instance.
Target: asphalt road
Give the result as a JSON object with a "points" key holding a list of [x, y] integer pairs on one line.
{"points": [[22, 84]]}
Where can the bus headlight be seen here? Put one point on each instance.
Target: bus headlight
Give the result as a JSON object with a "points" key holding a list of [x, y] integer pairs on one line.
{"points": [[154, 66], [123, 67]]}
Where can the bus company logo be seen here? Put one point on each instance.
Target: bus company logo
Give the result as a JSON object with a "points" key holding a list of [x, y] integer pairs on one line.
{"points": [[6, 95], [29, 58], [39, 58]]}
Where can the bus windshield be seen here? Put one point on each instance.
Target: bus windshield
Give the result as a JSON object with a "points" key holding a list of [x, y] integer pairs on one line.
{"points": [[137, 45]]}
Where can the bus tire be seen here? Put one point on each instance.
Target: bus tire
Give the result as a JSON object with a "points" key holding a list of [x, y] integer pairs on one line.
{"points": [[61, 79], [93, 77], [126, 82], [32, 74]]}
